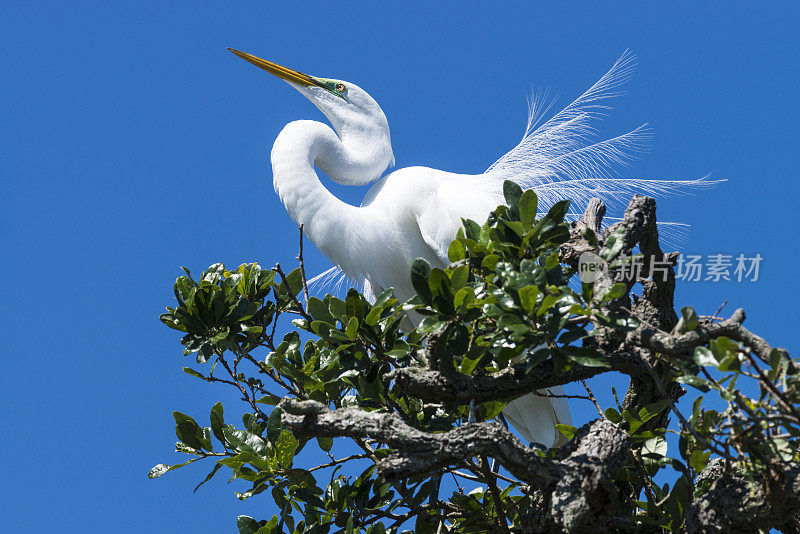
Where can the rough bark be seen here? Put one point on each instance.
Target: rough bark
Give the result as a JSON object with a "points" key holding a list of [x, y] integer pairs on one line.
{"points": [[417, 451], [735, 503], [585, 497], [451, 387]]}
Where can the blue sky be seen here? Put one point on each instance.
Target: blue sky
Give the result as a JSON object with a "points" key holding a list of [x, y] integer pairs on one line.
{"points": [[133, 142]]}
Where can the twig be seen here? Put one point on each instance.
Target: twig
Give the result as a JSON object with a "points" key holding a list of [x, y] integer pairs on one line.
{"points": [[592, 398], [245, 396], [776, 393], [340, 461], [674, 409], [303, 267], [647, 481], [301, 310], [491, 481], [716, 313], [616, 399], [563, 396]]}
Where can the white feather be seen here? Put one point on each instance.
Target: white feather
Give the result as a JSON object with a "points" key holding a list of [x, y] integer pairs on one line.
{"points": [[561, 159]]}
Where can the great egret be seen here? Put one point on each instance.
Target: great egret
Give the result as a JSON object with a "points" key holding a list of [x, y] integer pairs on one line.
{"points": [[415, 212]]}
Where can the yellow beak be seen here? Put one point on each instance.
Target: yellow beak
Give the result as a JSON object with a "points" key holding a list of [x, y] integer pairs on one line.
{"points": [[281, 72]]}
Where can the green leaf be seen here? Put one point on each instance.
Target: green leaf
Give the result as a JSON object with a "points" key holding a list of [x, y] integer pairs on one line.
{"points": [[352, 328], [699, 459], [468, 364], [472, 230], [514, 226], [245, 441], [420, 271], [160, 469], [205, 352], [192, 372], [617, 290], [213, 274], [512, 193], [613, 245], [572, 333], [568, 431], [723, 347], [493, 408], [779, 364], [458, 341], [430, 324], [704, 357], [247, 525], [269, 399], [459, 277], [490, 262], [678, 500], [293, 282], [463, 298], [455, 252], [585, 356], [559, 210], [528, 204], [354, 304], [688, 321], [728, 363], [439, 284], [633, 421], [613, 415], [209, 476], [218, 422], [652, 410], [372, 317], [173, 322], [384, 298], [547, 303], [274, 424], [654, 448], [338, 308], [527, 296], [700, 383], [188, 431], [285, 447], [320, 311], [590, 237], [325, 443]]}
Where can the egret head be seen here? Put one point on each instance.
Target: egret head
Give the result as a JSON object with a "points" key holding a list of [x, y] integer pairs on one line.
{"points": [[355, 115]]}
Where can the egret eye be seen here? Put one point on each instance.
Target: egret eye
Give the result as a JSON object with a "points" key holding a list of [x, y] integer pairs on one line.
{"points": [[340, 87]]}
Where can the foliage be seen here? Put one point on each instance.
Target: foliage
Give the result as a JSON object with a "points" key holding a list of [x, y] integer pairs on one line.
{"points": [[505, 304]]}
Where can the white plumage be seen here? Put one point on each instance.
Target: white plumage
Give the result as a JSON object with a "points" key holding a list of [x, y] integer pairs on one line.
{"points": [[415, 212]]}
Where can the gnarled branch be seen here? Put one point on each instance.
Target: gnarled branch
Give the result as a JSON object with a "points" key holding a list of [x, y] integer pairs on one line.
{"points": [[578, 484]]}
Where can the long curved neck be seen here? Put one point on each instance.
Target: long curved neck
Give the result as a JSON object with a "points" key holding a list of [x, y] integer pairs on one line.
{"points": [[326, 220]]}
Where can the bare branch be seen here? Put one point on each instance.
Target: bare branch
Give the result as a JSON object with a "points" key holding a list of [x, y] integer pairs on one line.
{"points": [[455, 388]]}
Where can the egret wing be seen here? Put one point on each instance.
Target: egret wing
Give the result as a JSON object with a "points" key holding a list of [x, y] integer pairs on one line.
{"points": [[453, 199]]}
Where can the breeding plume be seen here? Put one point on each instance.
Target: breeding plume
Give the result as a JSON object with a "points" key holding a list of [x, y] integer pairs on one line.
{"points": [[415, 212]]}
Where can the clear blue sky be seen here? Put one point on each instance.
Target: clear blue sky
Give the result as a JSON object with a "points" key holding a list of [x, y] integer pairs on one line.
{"points": [[132, 142]]}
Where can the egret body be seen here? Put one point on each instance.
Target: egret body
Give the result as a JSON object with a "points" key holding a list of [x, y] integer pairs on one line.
{"points": [[415, 212]]}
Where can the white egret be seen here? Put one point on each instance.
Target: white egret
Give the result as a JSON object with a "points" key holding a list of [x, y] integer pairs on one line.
{"points": [[415, 212]]}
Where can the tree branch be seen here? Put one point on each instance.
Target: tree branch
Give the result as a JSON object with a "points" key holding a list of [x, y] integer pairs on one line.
{"points": [[417, 451], [579, 483], [512, 382]]}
